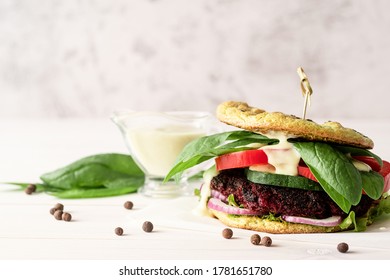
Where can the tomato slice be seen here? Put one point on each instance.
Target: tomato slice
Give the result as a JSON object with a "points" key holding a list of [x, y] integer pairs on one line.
{"points": [[305, 172], [241, 159], [372, 162], [385, 168]]}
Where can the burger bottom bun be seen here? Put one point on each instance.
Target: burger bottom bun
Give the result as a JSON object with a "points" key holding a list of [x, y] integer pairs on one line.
{"points": [[265, 225]]}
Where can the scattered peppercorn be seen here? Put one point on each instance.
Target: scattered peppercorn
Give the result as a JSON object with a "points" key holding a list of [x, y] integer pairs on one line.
{"points": [[119, 231], [52, 210], [227, 233], [266, 241], [147, 226], [255, 239], [342, 247], [66, 217], [30, 189], [59, 206], [128, 205], [58, 214]]}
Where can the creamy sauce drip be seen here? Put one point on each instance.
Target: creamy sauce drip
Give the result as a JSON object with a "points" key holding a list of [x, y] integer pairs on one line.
{"points": [[205, 193], [361, 166], [282, 156]]}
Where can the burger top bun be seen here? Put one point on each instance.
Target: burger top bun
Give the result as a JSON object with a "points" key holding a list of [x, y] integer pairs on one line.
{"points": [[243, 116]]}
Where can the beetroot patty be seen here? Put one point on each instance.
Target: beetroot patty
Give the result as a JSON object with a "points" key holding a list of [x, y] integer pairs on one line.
{"points": [[280, 200]]}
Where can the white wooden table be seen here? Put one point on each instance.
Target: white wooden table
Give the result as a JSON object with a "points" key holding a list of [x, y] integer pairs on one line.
{"points": [[29, 148]]}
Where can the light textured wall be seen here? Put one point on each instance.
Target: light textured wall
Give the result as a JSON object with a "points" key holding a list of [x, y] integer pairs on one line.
{"points": [[87, 58]]}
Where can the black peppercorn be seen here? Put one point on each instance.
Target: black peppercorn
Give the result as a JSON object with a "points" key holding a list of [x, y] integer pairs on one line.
{"points": [[227, 233], [342, 247], [266, 241], [147, 226], [119, 231], [58, 214], [255, 239], [59, 206], [66, 217], [30, 189], [128, 205]]}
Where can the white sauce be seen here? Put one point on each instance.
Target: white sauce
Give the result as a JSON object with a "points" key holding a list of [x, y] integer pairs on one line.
{"points": [[282, 156], [156, 149], [205, 193], [361, 166]]}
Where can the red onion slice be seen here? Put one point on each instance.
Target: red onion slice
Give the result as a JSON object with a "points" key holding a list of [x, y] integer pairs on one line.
{"points": [[328, 222], [218, 195], [218, 205]]}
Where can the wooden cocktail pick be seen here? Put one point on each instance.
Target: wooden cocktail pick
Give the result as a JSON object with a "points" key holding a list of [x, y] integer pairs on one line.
{"points": [[306, 90]]}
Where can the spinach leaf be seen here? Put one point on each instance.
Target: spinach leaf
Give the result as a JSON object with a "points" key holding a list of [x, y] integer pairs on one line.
{"points": [[86, 176], [93, 171], [93, 176], [207, 147], [232, 201], [122, 187], [359, 152], [39, 186], [382, 208], [373, 184], [341, 181], [352, 222]]}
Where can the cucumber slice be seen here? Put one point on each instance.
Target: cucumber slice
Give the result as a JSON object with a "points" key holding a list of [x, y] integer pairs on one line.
{"points": [[279, 180]]}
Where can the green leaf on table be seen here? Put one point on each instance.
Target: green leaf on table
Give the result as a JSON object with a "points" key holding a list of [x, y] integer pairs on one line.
{"points": [[127, 186], [93, 176], [93, 171]]}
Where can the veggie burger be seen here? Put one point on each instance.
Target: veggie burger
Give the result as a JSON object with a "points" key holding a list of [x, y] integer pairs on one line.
{"points": [[282, 174]]}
